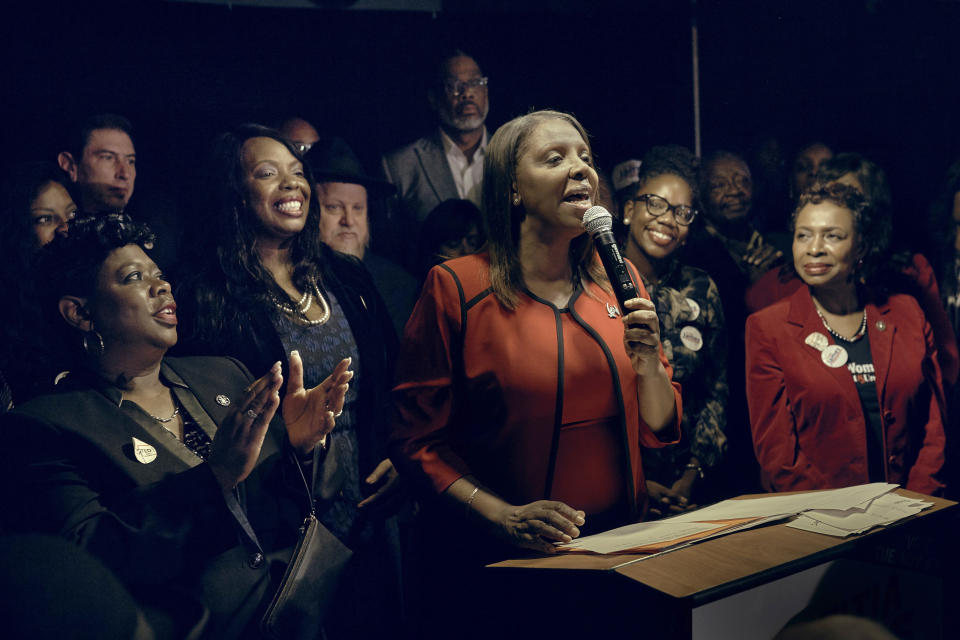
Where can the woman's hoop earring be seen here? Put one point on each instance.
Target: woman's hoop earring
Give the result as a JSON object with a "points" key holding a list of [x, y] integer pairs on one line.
{"points": [[94, 349]]}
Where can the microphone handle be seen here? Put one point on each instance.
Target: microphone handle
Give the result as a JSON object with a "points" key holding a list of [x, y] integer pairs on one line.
{"points": [[616, 270]]}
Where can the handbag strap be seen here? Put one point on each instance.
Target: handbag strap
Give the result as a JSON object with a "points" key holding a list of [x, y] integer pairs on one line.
{"points": [[311, 511]]}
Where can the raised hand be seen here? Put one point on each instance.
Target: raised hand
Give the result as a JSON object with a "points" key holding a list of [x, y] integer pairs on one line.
{"points": [[310, 414], [236, 445]]}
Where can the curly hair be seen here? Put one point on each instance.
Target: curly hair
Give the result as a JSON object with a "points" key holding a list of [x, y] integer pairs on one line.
{"points": [[673, 160], [232, 278], [502, 220], [871, 227], [70, 265]]}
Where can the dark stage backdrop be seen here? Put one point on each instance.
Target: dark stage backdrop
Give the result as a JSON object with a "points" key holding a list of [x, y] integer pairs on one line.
{"points": [[872, 75]]}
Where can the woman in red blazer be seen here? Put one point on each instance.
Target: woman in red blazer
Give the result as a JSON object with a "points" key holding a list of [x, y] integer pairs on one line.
{"points": [[843, 383]]}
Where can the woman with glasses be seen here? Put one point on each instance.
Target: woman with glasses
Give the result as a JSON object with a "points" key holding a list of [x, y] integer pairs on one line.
{"points": [[658, 215], [842, 379]]}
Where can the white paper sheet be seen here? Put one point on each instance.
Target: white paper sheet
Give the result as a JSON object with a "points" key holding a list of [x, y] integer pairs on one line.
{"points": [[638, 535], [840, 499], [883, 510]]}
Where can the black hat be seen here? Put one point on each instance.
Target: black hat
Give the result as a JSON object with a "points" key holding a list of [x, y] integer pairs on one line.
{"points": [[332, 160]]}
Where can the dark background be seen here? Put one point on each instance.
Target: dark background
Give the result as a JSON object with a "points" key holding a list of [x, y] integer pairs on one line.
{"points": [[876, 76]]}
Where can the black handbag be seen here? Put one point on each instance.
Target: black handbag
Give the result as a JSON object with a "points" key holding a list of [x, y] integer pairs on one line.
{"points": [[308, 584]]}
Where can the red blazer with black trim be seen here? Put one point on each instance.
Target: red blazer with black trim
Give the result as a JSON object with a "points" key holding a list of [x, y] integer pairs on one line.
{"points": [[477, 387], [809, 430]]}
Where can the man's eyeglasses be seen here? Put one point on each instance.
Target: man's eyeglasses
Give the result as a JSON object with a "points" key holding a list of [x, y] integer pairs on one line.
{"points": [[658, 206], [456, 88], [738, 181], [302, 147]]}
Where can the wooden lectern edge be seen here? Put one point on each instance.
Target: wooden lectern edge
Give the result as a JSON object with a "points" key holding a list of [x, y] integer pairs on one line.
{"points": [[631, 566]]}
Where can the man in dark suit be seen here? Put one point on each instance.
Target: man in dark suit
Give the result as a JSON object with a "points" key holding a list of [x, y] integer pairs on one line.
{"points": [[447, 163]]}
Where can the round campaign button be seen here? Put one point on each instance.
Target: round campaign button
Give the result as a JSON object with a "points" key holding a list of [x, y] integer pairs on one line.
{"points": [[834, 356], [694, 308], [691, 338], [817, 340]]}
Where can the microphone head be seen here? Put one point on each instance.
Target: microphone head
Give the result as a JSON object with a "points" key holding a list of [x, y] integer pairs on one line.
{"points": [[597, 219]]}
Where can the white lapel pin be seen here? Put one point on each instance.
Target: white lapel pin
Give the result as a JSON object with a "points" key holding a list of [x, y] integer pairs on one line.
{"points": [[143, 452]]}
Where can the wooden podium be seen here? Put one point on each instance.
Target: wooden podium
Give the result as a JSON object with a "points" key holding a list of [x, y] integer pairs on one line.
{"points": [[747, 584]]}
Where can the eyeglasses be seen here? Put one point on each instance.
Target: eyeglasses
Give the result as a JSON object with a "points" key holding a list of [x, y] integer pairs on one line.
{"points": [[738, 181], [658, 206], [456, 88], [302, 147]]}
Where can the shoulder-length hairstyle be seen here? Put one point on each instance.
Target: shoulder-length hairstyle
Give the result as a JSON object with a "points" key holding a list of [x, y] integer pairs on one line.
{"points": [[21, 329], [233, 278], [872, 228], [502, 219]]}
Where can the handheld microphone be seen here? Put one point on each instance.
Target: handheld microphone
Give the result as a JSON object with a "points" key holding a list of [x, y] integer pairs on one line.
{"points": [[599, 224]]}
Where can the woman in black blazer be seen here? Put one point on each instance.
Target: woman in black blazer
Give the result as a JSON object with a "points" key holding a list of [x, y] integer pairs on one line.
{"points": [[175, 472]]}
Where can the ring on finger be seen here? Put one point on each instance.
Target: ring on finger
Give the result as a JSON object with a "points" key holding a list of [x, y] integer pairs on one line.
{"points": [[250, 413]]}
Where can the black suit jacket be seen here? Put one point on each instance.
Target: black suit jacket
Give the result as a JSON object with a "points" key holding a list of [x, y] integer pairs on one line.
{"points": [[70, 468]]}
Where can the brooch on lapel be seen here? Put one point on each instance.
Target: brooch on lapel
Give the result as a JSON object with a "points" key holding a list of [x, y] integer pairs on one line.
{"points": [[223, 400], [612, 311], [143, 452]]}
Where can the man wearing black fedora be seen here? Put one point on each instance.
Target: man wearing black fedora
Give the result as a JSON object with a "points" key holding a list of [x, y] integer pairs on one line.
{"points": [[343, 191]]}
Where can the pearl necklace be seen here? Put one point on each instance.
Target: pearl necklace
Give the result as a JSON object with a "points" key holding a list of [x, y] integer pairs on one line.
{"points": [[859, 334], [176, 412], [299, 312]]}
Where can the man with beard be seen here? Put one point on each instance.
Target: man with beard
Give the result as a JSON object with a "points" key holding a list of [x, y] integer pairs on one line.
{"points": [[448, 163]]}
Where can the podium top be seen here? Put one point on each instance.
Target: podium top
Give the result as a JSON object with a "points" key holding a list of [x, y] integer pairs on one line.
{"points": [[709, 569]]}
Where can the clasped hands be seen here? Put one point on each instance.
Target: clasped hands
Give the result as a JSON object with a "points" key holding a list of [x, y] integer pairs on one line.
{"points": [[309, 414]]}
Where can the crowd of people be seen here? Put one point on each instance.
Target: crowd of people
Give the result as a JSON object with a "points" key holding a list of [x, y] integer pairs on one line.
{"points": [[448, 378]]}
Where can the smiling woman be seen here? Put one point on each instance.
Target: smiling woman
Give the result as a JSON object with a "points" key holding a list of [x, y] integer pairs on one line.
{"points": [[169, 470], [842, 381], [266, 285], [659, 215]]}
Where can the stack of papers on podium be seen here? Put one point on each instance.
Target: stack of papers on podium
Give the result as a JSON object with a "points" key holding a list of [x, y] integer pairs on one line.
{"points": [[880, 511], [834, 512]]}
